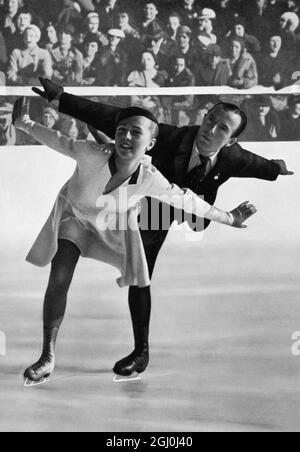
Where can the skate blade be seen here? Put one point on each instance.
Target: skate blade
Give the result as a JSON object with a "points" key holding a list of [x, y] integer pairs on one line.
{"points": [[30, 384], [120, 379]]}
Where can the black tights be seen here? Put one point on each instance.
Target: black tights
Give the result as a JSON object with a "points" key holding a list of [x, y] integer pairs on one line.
{"points": [[62, 272], [140, 298]]}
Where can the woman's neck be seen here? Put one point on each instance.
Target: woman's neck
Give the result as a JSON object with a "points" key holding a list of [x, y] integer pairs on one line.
{"points": [[127, 167]]}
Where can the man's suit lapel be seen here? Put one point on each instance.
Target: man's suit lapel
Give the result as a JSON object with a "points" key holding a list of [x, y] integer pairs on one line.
{"points": [[181, 161]]}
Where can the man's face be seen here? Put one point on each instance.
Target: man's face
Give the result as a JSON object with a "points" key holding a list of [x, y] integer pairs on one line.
{"points": [[179, 65], [240, 31], [217, 130], [275, 43], [134, 137], [183, 40], [174, 22], [150, 11], [30, 38], [13, 6], [205, 24], [24, 20], [93, 24], [155, 44]]}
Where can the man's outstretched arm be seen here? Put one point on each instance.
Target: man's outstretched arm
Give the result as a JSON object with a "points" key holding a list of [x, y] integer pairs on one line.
{"points": [[100, 116], [250, 165]]}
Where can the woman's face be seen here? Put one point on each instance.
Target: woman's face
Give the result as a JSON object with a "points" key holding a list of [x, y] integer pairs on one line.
{"points": [[148, 62], [114, 41], [92, 48], [51, 34], [48, 120], [65, 39], [30, 38], [236, 49], [123, 20], [240, 31], [183, 40], [134, 138]]}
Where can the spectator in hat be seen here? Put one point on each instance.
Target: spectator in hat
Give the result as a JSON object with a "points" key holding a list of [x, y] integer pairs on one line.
{"points": [[161, 46], [150, 23], [8, 18], [204, 34], [50, 118], [67, 60], [112, 62], [7, 130], [213, 70], [181, 76], [289, 24], [252, 44], [186, 49], [174, 22], [189, 12], [274, 68], [124, 23], [108, 12], [290, 121], [264, 122], [90, 54], [243, 66], [24, 20], [148, 76], [26, 65], [131, 44], [92, 32]]}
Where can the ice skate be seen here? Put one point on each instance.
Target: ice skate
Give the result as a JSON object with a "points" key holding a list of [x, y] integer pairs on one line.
{"points": [[40, 372], [137, 362]]}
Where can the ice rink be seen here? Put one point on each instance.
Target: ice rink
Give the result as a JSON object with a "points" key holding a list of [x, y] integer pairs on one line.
{"points": [[224, 311]]}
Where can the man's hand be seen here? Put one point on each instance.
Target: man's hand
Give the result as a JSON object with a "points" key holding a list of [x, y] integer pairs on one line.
{"points": [[51, 92], [283, 168], [20, 111], [242, 213]]}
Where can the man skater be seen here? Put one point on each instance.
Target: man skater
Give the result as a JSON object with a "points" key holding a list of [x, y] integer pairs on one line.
{"points": [[200, 158]]}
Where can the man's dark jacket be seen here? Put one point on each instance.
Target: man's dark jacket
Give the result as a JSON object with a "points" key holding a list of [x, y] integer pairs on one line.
{"points": [[173, 150]]}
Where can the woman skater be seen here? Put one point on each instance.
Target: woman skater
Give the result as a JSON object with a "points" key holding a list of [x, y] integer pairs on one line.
{"points": [[96, 215]]}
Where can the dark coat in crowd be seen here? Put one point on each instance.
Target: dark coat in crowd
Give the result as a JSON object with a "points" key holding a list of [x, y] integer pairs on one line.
{"points": [[269, 68], [3, 53], [207, 76], [290, 127], [111, 67]]}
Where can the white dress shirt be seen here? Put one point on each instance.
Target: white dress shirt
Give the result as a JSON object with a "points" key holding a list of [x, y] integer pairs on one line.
{"points": [[196, 159]]}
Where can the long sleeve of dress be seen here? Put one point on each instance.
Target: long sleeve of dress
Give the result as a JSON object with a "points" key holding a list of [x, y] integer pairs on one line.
{"points": [[157, 186], [75, 149]]}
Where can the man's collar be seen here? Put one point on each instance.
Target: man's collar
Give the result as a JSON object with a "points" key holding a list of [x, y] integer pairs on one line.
{"points": [[213, 158]]}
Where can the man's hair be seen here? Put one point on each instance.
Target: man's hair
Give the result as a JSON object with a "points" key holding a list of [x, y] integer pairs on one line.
{"points": [[234, 109]]}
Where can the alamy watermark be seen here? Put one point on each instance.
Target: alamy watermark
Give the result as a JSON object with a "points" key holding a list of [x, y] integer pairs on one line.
{"points": [[296, 344]]}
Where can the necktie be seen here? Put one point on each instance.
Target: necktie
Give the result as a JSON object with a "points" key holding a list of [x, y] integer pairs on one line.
{"points": [[195, 177]]}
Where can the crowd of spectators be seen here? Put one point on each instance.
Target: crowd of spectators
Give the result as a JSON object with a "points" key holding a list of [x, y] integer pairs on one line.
{"points": [[237, 43], [271, 118]]}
